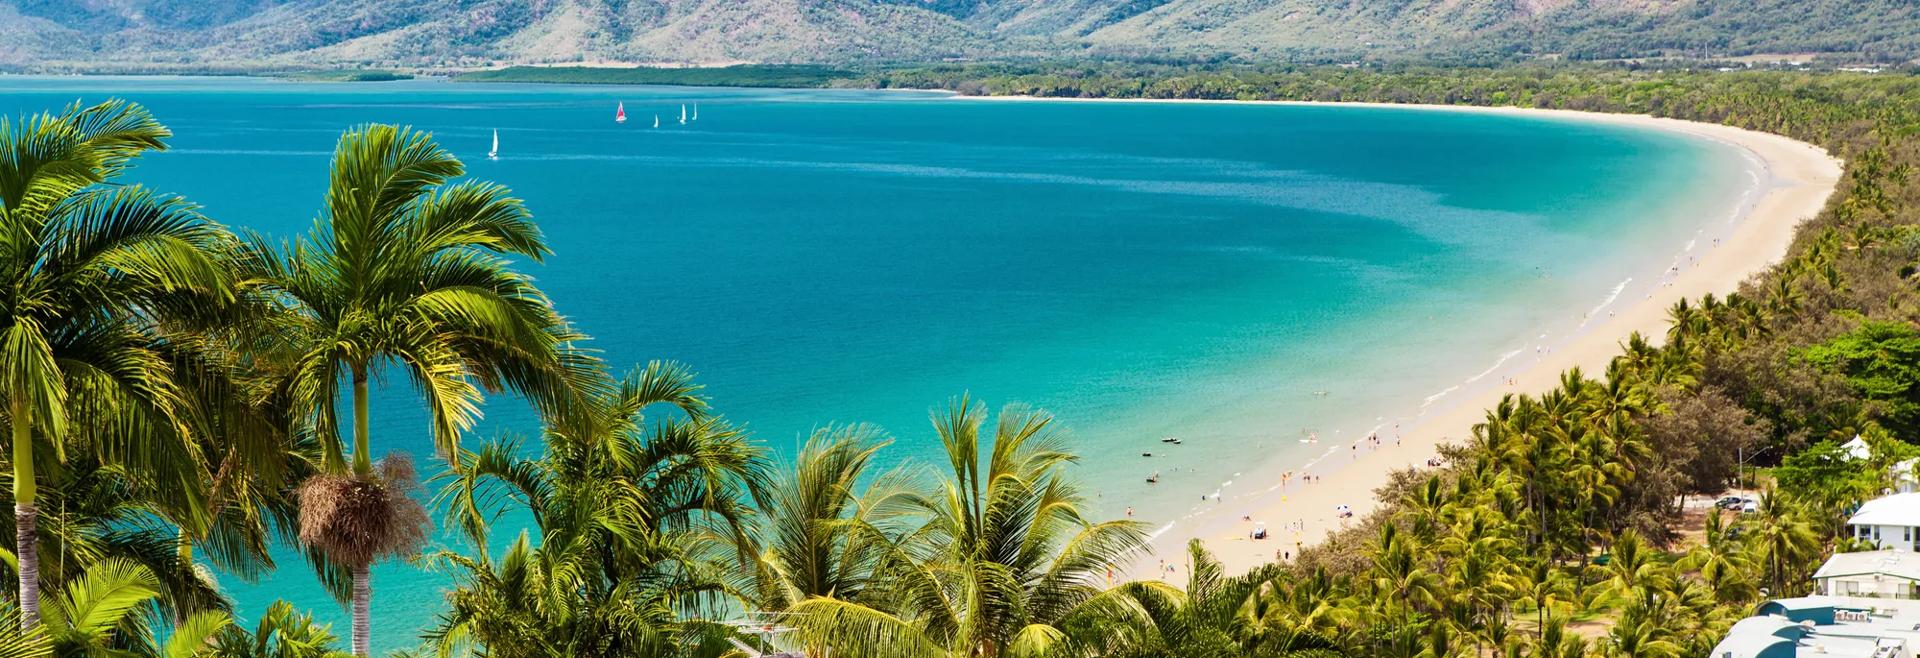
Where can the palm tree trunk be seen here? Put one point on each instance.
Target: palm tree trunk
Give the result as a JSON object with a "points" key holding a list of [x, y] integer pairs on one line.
{"points": [[362, 619], [362, 461], [26, 517]]}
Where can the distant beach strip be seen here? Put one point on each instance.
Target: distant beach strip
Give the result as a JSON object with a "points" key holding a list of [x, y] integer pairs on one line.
{"points": [[1790, 182]]}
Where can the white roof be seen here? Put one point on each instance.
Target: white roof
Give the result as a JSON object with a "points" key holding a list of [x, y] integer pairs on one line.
{"points": [[1857, 448], [1896, 510], [1897, 564], [1747, 645], [1895, 620]]}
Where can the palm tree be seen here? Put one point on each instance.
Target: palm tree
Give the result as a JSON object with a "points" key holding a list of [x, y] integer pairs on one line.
{"points": [[96, 512], [406, 270], [1006, 562], [635, 516], [1634, 566], [92, 274], [281, 633], [1556, 642], [98, 613], [1780, 543], [823, 528], [1721, 562], [1642, 630], [1546, 588]]}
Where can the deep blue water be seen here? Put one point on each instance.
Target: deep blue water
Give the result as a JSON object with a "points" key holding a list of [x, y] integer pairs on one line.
{"points": [[838, 256]]}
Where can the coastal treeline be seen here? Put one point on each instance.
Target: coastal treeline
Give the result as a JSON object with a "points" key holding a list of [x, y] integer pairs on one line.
{"points": [[742, 75], [182, 395], [1559, 514]]}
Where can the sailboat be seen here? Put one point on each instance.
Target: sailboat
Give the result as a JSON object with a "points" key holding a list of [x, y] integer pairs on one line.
{"points": [[696, 112], [656, 121], [494, 153], [620, 114], [683, 114]]}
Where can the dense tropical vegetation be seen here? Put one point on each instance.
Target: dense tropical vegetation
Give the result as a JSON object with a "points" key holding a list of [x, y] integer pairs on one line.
{"points": [[181, 396], [743, 75]]}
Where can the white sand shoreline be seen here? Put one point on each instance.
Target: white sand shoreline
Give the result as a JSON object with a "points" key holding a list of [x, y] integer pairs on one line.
{"points": [[1796, 180]]}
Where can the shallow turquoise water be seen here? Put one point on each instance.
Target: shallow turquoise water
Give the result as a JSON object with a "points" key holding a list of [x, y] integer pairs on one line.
{"points": [[1140, 269]]}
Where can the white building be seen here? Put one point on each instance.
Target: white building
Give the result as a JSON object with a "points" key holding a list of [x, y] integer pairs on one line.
{"points": [[1870, 574], [1903, 476], [1868, 605], [1825, 627], [1889, 522]]}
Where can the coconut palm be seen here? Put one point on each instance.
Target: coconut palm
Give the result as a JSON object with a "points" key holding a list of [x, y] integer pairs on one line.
{"points": [[634, 513], [1556, 642], [1400, 590], [1005, 564], [281, 632], [408, 271], [542, 603], [1633, 566], [1780, 544], [1546, 588], [823, 528], [1292, 616], [93, 275], [1269, 612], [1642, 630], [1721, 562]]}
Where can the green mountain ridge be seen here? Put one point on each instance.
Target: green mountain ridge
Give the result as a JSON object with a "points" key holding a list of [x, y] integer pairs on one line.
{"points": [[36, 34]]}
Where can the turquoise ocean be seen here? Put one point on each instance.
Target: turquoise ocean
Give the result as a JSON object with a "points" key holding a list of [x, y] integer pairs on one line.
{"points": [[1235, 275]]}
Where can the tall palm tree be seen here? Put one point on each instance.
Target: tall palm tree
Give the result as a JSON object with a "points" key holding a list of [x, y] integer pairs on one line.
{"points": [[408, 271], [1006, 563], [1401, 590], [1780, 543], [1721, 562], [93, 274], [1633, 566]]}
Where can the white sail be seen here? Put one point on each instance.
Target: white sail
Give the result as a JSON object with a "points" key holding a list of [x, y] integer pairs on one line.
{"points": [[696, 111], [683, 114], [494, 153], [656, 121]]}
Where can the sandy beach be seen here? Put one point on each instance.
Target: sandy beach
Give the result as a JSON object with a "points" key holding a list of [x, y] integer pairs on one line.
{"points": [[1795, 180]]}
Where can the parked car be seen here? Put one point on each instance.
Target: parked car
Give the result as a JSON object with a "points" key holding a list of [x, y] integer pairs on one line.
{"points": [[1749, 506], [1730, 503]]}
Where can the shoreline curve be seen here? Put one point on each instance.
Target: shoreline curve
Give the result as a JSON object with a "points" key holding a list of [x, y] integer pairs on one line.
{"points": [[1799, 178]]}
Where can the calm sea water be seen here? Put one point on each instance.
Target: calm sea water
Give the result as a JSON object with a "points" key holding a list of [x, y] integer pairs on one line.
{"points": [[1234, 275]]}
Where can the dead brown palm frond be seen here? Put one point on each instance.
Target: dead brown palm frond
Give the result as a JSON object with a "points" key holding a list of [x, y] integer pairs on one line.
{"points": [[359, 520]]}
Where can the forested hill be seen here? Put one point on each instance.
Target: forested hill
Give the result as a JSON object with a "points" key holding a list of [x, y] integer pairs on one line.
{"points": [[55, 34]]}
